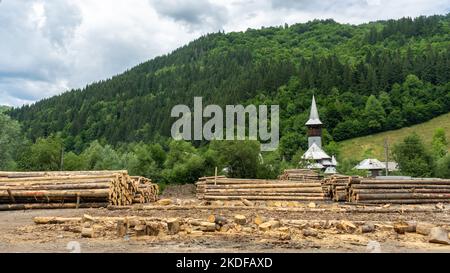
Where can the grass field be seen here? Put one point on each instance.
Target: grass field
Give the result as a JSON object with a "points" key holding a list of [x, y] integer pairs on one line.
{"points": [[373, 145]]}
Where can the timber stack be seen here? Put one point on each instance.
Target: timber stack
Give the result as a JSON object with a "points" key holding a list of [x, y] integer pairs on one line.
{"points": [[391, 190], [146, 191], [222, 188], [337, 186], [301, 175], [46, 190]]}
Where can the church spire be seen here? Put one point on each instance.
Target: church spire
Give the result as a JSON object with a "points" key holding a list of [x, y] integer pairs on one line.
{"points": [[314, 115]]}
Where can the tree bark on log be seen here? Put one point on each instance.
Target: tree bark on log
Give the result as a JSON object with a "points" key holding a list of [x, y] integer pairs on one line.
{"points": [[399, 186], [280, 198], [404, 201], [267, 185], [51, 206], [263, 190], [83, 186], [387, 196], [376, 191]]}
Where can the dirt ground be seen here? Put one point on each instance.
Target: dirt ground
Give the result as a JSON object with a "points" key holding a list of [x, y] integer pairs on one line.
{"points": [[18, 232]]}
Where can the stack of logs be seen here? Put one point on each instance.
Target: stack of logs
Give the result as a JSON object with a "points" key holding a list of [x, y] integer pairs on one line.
{"points": [[82, 189], [146, 191], [336, 186], [400, 191], [221, 188], [390, 190], [300, 175]]}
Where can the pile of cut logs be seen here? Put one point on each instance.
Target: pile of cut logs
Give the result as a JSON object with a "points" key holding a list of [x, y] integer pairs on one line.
{"points": [[222, 188], [336, 186], [146, 191], [400, 191], [300, 175], [45, 190]]}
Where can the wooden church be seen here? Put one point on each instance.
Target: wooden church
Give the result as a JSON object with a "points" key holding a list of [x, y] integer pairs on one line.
{"points": [[315, 156]]}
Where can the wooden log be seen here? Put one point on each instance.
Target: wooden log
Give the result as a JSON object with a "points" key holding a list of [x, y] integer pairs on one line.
{"points": [[255, 193], [121, 228], [399, 182], [281, 198], [262, 190], [424, 228], [387, 196], [413, 190], [269, 186], [153, 228], [83, 186], [242, 181], [402, 227], [240, 219], [404, 201], [55, 220], [51, 206], [438, 235], [57, 193], [130, 220], [173, 226], [87, 232], [367, 228], [399, 186], [247, 202]]}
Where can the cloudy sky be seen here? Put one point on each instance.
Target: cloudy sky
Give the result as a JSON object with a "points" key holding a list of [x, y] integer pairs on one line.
{"points": [[49, 46]]}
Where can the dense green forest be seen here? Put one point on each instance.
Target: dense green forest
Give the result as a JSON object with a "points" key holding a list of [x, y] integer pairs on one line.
{"points": [[367, 78]]}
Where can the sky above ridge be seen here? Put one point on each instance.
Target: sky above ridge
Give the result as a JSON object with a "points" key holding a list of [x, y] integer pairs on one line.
{"points": [[50, 46]]}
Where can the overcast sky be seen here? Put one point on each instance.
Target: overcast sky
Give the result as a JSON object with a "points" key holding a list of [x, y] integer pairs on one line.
{"points": [[50, 46]]}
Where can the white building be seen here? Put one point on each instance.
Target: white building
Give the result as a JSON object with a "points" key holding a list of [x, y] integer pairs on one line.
{"points": [[375, 167], [372, 165]]}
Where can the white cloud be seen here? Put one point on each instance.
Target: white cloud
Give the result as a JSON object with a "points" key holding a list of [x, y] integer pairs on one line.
{"points": [[49, 46], [194, 14]]}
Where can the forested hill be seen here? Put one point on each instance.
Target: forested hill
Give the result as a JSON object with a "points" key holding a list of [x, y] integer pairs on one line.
{"points": [[3, 108], [366, 78]]}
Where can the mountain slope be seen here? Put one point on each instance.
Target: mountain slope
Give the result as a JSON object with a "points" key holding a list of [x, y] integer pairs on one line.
{"points": [[4, 108], [374, 144], [342, 64]]}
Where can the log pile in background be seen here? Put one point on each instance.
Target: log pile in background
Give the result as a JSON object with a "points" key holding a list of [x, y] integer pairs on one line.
{"points": [[28, 190], [400, 191], [300, 175], [221, 188]]}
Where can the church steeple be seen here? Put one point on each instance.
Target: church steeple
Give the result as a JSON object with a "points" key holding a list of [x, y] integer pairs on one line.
{"points": [[314, 126], [314, 114], [317, 158]]}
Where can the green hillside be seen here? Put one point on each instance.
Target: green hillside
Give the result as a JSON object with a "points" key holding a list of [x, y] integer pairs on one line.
{"points": [[4, 108], [374, 144], [367, 78]]}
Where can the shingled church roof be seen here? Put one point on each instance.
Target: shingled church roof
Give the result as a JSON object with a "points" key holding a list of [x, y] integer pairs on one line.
{"points": [[315, 153], [314, 114]]}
